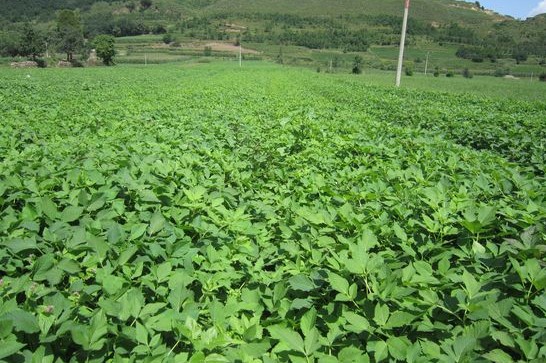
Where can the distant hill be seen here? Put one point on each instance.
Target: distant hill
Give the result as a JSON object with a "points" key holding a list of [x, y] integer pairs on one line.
{"points": [[428, 10], [472, 32]]}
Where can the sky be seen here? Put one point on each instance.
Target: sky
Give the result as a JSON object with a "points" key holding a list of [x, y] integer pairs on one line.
{"points": [[516, 8]]}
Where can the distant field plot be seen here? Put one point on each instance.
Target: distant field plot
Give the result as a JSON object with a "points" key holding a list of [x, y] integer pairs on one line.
{"points": [[132, 50], [211, 213]]}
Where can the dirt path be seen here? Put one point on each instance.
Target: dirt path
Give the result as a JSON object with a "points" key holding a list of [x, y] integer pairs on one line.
{"points": [[227, 47]]}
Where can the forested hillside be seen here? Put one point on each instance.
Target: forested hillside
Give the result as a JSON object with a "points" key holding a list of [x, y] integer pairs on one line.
{"points": [[474, 32]]}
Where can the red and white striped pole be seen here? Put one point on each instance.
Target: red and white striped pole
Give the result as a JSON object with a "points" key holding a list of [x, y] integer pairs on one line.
{"points": [[402, 44]]}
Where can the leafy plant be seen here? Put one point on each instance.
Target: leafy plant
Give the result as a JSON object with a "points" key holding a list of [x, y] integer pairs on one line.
{"points": [[182, 224]]}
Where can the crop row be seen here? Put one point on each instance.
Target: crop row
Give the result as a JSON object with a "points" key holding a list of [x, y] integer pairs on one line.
{"points": [[209, 215]]}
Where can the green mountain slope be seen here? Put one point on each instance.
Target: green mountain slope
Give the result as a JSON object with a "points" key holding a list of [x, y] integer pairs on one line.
{"points": [[370, 28], [428, 10]]}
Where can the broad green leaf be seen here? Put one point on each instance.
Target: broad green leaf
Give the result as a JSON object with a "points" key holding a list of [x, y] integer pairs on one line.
{"points": [[216, 358], [399, 319], [357, 323], [5, 328], [288, 337], [352, 354], [71, 213], [156, 223], [163, 271], [398, 347], [10, 347], [498, 356], [115, 234], [24, 321], [312, 342], [112, 284], [18, 244], [486, 215], [381, 351], [308, 321], [381, 314], [301, 282], [97, 330], [137, 231], [141, 334], [472, 286], [126, 255], [463, 345], [149, 196], [399, 232], [338, 283], [196, 193], [49, 208], [368, 240], [70, 266]]}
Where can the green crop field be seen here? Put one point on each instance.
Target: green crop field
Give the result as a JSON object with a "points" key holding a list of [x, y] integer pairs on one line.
{"points": [[207, 213]]}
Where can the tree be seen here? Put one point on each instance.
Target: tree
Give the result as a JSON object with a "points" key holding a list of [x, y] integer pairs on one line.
{"points": [[9, 44], [168, 38], [520, 56], [32, 43], [104, 46], [145, 4], [467, 73], [98, 20], [69, 33], [357, 65], [280, 56]]}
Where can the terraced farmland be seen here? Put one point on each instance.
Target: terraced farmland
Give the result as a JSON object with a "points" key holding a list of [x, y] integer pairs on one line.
{"points": [[215, 214]]}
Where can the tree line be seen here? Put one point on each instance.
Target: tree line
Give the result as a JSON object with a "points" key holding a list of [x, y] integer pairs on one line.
{"points": [[351, 33], [67, 37]]}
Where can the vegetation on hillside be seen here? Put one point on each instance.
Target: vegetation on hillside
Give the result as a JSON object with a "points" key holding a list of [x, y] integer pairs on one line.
{"points": [[348, 26]]}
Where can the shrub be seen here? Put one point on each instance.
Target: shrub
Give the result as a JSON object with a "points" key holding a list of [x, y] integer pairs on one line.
{"points": [[159, 29], [357, 65], [207, 52], [467, 74], [501, 72], [437, 72], [409, 71], [76, 63], [168, 38], [42, 63], [105, 48], [542, 77], [450, 74]]}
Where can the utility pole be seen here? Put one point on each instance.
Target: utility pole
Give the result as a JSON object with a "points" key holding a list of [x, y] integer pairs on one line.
{"points": [[426, 64], [240, 54], [402, 43]]}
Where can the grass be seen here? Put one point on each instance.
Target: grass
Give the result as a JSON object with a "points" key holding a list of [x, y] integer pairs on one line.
{"points": [[484, 86]]}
